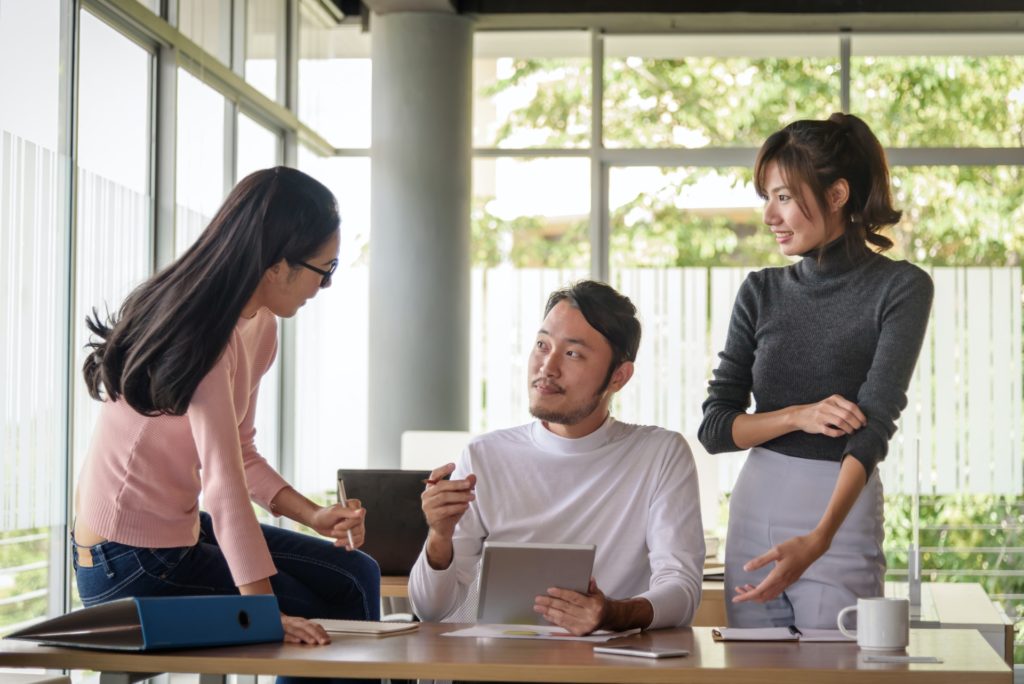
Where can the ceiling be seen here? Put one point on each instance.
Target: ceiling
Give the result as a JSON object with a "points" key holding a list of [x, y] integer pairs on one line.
{"points": [[718, 15]]}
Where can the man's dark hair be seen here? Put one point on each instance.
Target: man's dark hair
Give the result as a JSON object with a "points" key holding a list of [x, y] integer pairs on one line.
{"points": [[607, 312]]}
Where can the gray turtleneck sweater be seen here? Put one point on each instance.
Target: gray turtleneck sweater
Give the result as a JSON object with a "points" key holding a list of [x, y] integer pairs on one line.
{"points": [[847, 324]]}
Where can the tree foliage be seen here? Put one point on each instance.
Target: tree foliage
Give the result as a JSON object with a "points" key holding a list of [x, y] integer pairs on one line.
{"points": [[953, 215]]}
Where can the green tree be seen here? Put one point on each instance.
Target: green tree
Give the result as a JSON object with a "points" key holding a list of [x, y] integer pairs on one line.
{"points": [[968, 215]]}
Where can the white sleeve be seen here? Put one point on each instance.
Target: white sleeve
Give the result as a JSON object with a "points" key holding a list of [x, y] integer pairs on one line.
{"points": [[675, 539], [436, 594]]}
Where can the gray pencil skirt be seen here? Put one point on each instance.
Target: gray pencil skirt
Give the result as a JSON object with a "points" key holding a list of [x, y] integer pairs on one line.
{"points": [[777, 497]]}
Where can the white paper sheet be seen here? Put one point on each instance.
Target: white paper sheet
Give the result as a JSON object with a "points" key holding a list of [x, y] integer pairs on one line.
{"points": [[540, 632]]}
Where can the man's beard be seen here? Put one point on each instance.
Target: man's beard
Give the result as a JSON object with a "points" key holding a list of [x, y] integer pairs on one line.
{"points": [[571, 417]]}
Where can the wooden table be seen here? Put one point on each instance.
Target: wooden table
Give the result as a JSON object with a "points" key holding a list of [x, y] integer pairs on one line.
{"points": [[944, 605], [427, 654]]}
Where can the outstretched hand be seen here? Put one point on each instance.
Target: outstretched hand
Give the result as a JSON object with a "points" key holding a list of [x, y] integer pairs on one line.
{"points": [[792, 558]]}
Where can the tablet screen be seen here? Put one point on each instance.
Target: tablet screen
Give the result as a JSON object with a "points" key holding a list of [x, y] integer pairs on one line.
{"points": [[512, 575]]}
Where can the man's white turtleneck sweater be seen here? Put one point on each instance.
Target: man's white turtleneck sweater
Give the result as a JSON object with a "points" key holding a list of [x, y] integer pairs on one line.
{"points": [[629, 489]]}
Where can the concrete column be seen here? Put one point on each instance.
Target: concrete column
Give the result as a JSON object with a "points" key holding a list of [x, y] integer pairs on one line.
{"points": [[419, 239]]}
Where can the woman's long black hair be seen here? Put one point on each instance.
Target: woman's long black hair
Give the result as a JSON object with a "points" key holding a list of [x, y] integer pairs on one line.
{"points": [[170, 331]]}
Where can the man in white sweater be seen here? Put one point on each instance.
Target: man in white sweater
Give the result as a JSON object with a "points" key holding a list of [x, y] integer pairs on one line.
{"points": [[576, 476]]}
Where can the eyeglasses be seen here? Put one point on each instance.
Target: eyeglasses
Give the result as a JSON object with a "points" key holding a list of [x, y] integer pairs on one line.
{"points": [[325, 276]]}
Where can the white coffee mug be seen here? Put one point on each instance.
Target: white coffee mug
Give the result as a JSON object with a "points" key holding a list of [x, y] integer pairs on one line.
{"points": [[883, 624]]}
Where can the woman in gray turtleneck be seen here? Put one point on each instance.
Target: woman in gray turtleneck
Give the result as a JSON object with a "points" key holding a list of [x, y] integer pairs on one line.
{"points": [[827, 347]]}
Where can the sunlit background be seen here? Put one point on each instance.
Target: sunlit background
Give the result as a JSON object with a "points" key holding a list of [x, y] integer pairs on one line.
{"points": [[681, 118]]}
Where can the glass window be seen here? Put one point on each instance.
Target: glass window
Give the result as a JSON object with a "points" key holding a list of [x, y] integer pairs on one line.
{"points": [[940, 91], [332, 342], [200, 151], [264, 45], [531, 213], [208, 24], [531, 89], [334, 80], [114, 200], [691, 216], [530, 224], [258, 148], [668, 227], [34, 272], [714, 91], [959, 215]]}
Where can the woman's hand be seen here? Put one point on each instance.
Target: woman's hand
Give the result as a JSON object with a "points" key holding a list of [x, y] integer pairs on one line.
{"points": [[302, 631], [833, 416], [792, 558], [337, 521]]}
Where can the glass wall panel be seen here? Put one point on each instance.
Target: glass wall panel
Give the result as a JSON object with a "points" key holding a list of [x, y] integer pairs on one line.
{"points": [[530, 236], [332, 339], [531, 213], [200, 151], [940, 90], [113, 245], [264, 45], [33, 324], [208, 24], [959, 215], [713, 91], [334, 80], [258, 147], [531, 89], [692, 216]]}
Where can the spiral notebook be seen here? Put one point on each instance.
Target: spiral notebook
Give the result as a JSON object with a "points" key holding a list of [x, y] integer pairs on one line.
{"points": [[777, 634]]}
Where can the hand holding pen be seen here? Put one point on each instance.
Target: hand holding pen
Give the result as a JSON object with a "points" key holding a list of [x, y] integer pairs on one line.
{"points": [[343, 501], [344, 521], [444, 502]]}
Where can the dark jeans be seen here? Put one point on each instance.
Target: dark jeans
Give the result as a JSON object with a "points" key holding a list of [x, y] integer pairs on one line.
{"points": [[314, 579]]}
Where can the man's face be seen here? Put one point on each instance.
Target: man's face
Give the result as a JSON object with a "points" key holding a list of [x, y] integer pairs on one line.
{"points": [[568, 367]]}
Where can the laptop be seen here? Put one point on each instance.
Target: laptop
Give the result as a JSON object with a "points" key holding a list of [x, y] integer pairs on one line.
{"points": [[395, 527]]}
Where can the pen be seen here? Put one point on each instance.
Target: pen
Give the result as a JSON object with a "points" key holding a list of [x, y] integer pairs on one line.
{"points": [[794, 631], [344, 502]]}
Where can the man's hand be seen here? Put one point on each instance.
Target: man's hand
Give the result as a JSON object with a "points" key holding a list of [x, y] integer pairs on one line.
{"points": [[302, 631], [444, 502], [792, 558], [578, 613], [337, 521], [833, 416]]}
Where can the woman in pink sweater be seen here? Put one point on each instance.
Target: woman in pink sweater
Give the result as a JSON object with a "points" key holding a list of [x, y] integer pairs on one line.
{"points": [[180, 367]]}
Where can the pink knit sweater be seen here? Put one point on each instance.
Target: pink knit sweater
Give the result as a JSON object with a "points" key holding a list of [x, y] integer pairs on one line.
{"points": [[141, 480]]}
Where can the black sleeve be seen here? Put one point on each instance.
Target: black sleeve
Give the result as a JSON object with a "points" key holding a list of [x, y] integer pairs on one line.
{"points": [[729, 389], [884, 393]]}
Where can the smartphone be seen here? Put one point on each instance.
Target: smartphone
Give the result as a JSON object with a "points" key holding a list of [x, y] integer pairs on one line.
{"points": [[643, 651]]}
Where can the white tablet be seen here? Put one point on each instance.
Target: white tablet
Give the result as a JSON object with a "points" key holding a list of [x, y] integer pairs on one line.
{"points": [[512, 575]]}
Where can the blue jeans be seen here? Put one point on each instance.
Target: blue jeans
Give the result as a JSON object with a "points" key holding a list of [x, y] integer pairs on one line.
{"points": [[314, 579]]}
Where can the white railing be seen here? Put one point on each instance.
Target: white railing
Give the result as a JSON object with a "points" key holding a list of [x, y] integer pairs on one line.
{"points": [[962, 422]]}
